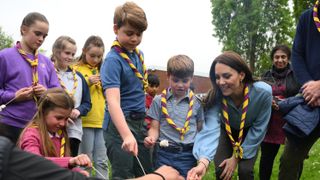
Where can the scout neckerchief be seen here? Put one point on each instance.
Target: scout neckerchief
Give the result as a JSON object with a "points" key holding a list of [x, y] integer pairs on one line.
{"points": [[63, 143], [237, 149], [75, 82], [94, 71], [33, 64], [315, 15], [170, 121], [144, 78]]}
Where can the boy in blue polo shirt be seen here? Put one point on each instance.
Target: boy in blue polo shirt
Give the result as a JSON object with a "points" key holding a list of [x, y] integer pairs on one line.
{"points": [[124, 80], [177, 116]]}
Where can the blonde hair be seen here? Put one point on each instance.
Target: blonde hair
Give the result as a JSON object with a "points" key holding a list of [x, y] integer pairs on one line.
{"points": [[53, 98], [130, 13], [59, 45], [180, 66]]}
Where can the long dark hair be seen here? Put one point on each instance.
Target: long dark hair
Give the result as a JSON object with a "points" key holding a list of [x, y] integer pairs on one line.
{"points": [[233, 60]]}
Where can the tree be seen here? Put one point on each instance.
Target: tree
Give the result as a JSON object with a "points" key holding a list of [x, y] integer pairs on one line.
{"points": [[5, 41], [252, 27], [299, 6]]}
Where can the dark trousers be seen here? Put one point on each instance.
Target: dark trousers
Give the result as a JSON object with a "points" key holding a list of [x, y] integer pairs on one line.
{"points": [[295, 152], [123, 164], [74, 146], [11, 132], [224, 151], [268, 153], [21, 165]]}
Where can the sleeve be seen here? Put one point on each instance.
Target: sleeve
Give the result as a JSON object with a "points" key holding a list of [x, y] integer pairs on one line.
{"points": [[30, 141], [85, 105], [206, 141], [5, 96], [258, 129], [298, 58], [154, 111], [30, 166], [110, 73]]}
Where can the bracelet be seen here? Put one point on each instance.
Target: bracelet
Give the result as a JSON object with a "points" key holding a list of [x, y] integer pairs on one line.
{"points": [[203, 164], [159, 175]]}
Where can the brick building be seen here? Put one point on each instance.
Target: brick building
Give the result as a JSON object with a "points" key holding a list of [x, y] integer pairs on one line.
{"points": [[201, 82]]}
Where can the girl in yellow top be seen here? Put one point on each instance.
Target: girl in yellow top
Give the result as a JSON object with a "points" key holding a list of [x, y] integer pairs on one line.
{"points": [[92, 140]]}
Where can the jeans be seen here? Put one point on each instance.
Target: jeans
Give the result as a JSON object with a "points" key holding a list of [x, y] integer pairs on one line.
{"points": [[93, 145], [182, 161]]}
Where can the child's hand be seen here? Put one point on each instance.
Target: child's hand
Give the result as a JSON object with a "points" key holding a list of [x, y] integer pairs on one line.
{"points": [[149, 141], [80, 160], [197, 172], [94, 79], [39, 89], [24, 94], [130, 145], [75, 113]]}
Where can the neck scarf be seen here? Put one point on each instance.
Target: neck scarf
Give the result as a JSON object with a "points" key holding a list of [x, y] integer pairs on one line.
{"points": [[33, 63], [315, 15], [144, 78], [75, 82], [237, 149], [63, 143], [94, 71], [170, 121]]}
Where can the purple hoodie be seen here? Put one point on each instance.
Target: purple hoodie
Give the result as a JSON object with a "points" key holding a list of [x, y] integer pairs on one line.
{"points": [[16, 73]]}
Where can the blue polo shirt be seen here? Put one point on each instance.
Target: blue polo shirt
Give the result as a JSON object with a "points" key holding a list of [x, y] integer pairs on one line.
{"points": [[116, 73]]}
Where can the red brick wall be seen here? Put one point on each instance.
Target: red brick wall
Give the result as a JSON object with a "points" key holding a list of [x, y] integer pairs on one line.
{"points": [[202, 84]]}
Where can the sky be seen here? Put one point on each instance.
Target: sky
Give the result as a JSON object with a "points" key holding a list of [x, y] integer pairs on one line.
{"points": [[174, 26]]}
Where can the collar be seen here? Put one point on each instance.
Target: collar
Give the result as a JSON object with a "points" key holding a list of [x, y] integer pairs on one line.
{"points": [[170, 95]]}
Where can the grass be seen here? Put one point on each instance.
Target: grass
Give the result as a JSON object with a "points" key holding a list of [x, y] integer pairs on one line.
{"points": [[311, 169]]}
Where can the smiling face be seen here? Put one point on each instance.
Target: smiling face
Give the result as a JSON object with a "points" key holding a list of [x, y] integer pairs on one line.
{"points": [[128, 37], [228, 79], [34, 35], [280, 59], [66, 56], [179, 86], [57, 119]]}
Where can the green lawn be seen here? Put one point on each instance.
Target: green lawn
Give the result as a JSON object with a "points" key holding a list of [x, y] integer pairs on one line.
{"points": [[311, 169]]}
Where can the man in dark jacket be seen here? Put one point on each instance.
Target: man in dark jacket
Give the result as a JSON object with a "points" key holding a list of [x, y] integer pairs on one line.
{"points": [[305, 63]]}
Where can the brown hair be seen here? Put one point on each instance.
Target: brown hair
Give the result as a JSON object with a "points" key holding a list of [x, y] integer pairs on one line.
{"points": [[234, 61], [92, 41], [31, 18], [132, 14], [59, 45], [283, 48], [53, 98], [180, 66]]}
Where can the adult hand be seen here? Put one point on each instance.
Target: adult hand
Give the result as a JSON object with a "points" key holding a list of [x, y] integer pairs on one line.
{"points": [[75, 113], [130, 145], [24, 94], [229, 167], [169, 173], [39, 89], [94, 79], [197, 172], [80, 160], [311, 92], [149, 141]]}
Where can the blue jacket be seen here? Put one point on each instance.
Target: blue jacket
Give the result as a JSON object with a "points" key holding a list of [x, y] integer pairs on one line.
{"points": [[301, 119]]}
